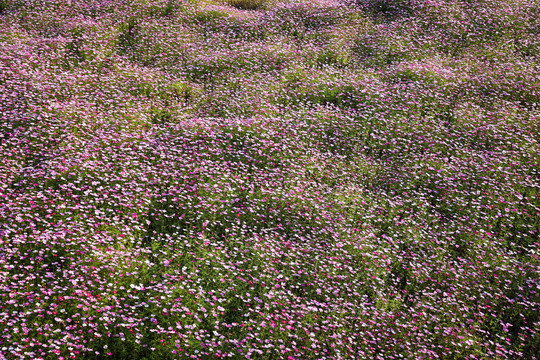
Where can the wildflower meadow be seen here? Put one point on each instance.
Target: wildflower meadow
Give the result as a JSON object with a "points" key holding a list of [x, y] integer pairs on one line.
{"points": [[265, 179]]}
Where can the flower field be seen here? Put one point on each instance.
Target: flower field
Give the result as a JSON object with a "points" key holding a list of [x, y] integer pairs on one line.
{"points": [[256, 179]]}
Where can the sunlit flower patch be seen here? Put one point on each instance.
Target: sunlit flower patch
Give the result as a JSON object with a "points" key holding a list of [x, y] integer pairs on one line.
{"points": [[269, 180]]}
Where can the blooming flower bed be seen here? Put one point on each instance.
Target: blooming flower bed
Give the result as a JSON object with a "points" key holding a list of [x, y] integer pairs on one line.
{"points": [[269, 180]]}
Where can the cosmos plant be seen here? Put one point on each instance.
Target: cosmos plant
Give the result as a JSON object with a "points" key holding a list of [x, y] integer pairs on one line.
{"points": [[255, 179]]}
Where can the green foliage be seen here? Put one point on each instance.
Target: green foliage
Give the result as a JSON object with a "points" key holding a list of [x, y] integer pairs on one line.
{"points": [[4, 5], [75, 48], [127, 38], [387, 10], [207, 16], [247, 4], [168, 10]]}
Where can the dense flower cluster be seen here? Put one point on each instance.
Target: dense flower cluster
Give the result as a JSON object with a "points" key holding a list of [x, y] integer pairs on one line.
{"points": [[309, 179]]}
